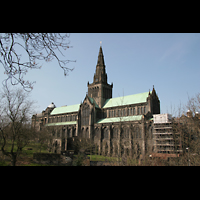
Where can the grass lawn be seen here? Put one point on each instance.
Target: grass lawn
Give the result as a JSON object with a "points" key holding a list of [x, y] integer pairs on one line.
{"points": [[26, 156], [130, 162], [103, 158]]}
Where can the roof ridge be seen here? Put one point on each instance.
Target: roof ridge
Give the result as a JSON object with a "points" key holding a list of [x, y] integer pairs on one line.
{"points": [[135, 94], [130, 95], [139, 98], [69, 105]]}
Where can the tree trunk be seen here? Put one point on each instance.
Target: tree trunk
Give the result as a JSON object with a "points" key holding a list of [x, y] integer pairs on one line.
{"points": [[14, 159]]}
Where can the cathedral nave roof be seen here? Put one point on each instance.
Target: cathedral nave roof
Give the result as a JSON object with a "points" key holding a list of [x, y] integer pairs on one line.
{"points": [[126, 100]]}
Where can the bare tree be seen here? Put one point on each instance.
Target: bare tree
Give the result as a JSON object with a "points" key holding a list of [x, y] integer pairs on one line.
{"points": [[15, 126], [193, 103], [193, 129], [82, 146], [33, 47], [186, 132], [45, 138]]}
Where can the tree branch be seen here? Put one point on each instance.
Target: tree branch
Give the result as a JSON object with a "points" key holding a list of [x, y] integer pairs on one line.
{"points": [[37, 46]]}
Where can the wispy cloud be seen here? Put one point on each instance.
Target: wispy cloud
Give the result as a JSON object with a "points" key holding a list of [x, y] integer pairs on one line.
{"points": [[176, 51]]}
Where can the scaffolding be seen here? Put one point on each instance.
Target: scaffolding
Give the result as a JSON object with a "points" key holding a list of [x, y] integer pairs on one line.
{"points": [[162, 118], [165, 140]]}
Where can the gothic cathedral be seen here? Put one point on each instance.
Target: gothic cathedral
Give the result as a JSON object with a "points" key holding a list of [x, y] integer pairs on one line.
{"points": [[122, 125]]}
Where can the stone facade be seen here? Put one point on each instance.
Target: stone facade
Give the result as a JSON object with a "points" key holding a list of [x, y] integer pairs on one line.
{"points": [[116, 126]]}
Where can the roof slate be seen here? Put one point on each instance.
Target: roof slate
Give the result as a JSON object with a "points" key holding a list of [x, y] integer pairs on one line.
{"points": [[65, 109], [126, 100]]}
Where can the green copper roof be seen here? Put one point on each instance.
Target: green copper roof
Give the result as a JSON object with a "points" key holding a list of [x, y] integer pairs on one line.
{"points": [[92, 100], [126, 100], [120, 119], [65, 109], [61, 123]]}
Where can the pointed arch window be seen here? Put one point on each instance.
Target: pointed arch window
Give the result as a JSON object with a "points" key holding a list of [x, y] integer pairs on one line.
{"points": [[105, 133], [115, 132], [124, 112], [131, 111], [85, 115], [126, 132], [138, 110], [119, 112]]}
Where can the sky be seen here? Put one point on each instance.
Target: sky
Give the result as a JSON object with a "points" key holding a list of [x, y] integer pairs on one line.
{"points": [[134, 63]]}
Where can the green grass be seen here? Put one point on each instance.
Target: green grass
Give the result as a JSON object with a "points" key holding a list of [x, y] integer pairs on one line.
{"points": [[26, 155], [103, 158], [130, 162], [4, 163]]}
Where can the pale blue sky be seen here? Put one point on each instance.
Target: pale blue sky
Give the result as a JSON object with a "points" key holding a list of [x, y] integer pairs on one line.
{"points": [[134, 63]]}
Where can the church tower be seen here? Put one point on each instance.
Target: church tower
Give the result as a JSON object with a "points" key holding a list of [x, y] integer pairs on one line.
{"points": [[100, 90]]}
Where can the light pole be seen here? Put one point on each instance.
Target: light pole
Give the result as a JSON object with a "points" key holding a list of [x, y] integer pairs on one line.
{"points": [[188, 156]]}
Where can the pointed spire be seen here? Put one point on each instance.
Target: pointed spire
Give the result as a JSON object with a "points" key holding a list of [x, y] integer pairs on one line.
{"points": [[100, 57], [100, 75], [153, 91]]}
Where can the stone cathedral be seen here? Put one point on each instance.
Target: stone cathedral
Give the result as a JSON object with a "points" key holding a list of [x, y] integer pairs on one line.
{"points": [[121, 125]]}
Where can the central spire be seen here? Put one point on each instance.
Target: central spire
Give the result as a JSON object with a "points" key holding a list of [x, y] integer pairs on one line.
{"points": [[100, 75], [100, 90], [100, 57]]}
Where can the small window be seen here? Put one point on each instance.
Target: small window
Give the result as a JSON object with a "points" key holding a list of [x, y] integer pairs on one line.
{"points": [[105, 113], [119, 112], [138, 111], [58, 133]]}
